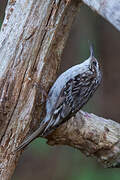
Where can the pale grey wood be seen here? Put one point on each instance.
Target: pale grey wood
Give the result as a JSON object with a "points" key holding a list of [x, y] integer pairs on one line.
{"points": [[109, 9], [32, 39]]}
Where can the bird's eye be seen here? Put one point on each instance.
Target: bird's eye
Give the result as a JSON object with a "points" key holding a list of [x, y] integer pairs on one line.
{"points": [[94, 63]]}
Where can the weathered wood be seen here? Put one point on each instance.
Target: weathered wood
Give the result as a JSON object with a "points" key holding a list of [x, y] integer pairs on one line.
{"points": [[109, 9], [93, 135], [32, 38]]}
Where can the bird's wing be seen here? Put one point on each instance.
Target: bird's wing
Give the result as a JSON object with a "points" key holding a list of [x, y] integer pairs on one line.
{"points": [[73, 90], [65, 103]]}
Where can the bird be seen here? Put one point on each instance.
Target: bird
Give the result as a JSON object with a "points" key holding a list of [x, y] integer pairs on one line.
{"points": [[70, 92]]}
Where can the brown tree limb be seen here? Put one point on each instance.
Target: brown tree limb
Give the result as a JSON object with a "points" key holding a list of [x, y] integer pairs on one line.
{"points": [[93, 135]]}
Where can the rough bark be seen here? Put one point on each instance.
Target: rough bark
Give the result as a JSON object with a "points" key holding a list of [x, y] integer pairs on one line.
{"points": [[93, 135], [32, 38]]}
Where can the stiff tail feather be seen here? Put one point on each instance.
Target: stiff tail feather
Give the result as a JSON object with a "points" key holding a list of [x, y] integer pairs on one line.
{"points": [[30, 138]]}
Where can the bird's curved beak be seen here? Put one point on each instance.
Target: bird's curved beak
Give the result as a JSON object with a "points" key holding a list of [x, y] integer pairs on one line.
{"points": [[91, 51]]}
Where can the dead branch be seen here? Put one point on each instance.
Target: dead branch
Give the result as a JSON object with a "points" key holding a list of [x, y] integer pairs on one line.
{"points": [[108, 9], [93, 135]]}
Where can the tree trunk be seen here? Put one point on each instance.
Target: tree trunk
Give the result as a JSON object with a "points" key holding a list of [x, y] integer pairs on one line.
{"points": [[32, 38]]}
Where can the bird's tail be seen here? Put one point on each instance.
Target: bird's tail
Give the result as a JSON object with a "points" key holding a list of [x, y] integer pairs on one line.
{"points": [[31, 138]]}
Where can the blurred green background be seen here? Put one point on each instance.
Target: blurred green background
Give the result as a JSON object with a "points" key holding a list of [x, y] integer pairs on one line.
{"points": [[41, 161]]}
